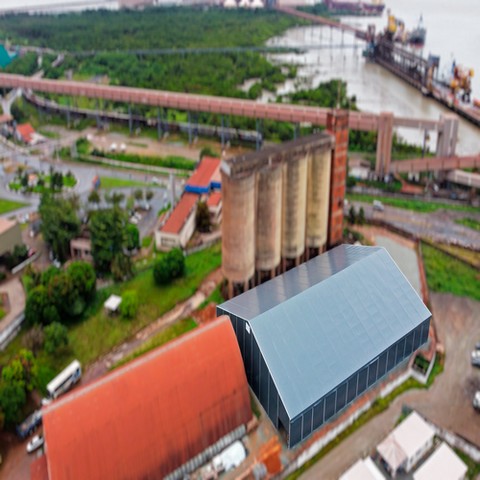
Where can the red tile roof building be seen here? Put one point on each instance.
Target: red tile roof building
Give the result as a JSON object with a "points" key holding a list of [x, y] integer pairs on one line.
{"points": [[180, 224], [151, 416], [205, 177], [26, 132], [214, 204]]}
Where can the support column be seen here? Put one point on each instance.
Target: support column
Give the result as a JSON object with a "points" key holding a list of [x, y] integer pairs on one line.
{"points": [[384, 144], [159, 124], [222, 131], [337, 125], [258, 143], [189, 127], [130, 119], [447, 136]]}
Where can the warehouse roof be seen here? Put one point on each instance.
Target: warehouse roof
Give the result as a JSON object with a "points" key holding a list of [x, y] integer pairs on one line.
{"points": [[206, 173], [321, 322], [180, 214], [151, 416]]}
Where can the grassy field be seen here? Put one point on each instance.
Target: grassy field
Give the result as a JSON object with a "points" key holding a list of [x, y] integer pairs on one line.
{"points": [[469, 222], [98, 332], [446, 274], [9, 205], [165, 336], [86, 343], [410, 204], [111, 182]]}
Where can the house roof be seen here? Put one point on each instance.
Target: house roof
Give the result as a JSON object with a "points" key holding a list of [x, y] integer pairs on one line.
{"points": [[5, 56], [319, 323], [6, 225], [392, 453], [180, 214], [203, 176], [444, 464], [412, 434], [39, 469], [146, 419], [214, 199], [4, 118], [26, 131], [363, 470]]}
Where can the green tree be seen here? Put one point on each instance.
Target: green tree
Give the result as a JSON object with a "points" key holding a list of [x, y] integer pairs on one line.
{"points": [[121, 267], [35, 306], [133, 237], [352, 216], [94, 197], [108, 236], [12, 399], [60, 224], [56, 337], [138, 194], [129, 305], [361, 216], [169, 267], [83, 278], [202, 217], [149, 195], [48, 274]]}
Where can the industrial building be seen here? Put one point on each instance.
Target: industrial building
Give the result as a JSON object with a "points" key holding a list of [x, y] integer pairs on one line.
{"points": [[160, 416], [282, 205], [318, 336], [10, 235], [179, 225]]}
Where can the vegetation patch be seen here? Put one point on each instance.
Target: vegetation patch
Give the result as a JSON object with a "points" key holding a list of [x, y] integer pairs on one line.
{"points": [[447, 274], [161, 338], [420, 206], [112, 182], [473, 467], [469, 222], [9, 205]]}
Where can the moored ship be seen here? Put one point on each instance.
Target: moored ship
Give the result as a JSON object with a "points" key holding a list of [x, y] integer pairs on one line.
{"points": [[355, 7]]}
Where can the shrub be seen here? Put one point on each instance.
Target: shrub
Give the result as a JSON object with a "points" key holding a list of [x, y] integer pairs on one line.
{"points": [[129, 305], [169, 267], [56, 337]]}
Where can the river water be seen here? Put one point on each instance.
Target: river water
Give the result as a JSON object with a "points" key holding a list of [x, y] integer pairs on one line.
{"points": [[452, 32]]}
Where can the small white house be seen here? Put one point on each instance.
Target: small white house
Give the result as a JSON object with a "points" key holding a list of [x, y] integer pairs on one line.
{"points": [[407, 444], [444, 464], [363, 470]]}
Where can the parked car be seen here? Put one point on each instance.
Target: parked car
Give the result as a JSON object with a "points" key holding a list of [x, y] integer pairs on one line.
{"points": [[476, 400], [35, 443], [476, 358], [378, 205]]}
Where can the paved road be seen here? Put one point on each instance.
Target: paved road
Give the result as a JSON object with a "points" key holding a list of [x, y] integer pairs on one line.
{"points": [[447, 403], [439, 226]]}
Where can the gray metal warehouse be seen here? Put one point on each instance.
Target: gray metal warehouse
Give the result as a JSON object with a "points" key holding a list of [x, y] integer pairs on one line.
{"points": [[321, 334]]}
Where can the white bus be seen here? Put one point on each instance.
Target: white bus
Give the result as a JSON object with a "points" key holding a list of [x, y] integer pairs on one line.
{"points": [[63, 381]]}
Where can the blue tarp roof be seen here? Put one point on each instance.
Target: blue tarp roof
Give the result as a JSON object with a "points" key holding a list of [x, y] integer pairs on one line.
{"points": [[319, 323]]}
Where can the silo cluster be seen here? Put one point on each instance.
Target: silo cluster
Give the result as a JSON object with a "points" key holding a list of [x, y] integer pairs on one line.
{"points": [[275, 209]]}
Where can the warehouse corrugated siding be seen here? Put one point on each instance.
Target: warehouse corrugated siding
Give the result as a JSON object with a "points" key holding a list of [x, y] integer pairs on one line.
{"points": [[153, 415]]}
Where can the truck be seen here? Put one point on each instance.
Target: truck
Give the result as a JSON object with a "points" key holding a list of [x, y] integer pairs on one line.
{"points": [[29, 424]]}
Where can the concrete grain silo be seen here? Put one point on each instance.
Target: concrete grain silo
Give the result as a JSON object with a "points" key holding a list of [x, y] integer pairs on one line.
{"points": [[238, 229], [294, 199], [318, 192], [268, 219], [276, 203]]}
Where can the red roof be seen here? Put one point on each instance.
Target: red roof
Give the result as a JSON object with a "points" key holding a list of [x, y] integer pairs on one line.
{"points": [[202, 177], [38, 469], [25, 130], [149, 417], [214, 199], [180, 213]]}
